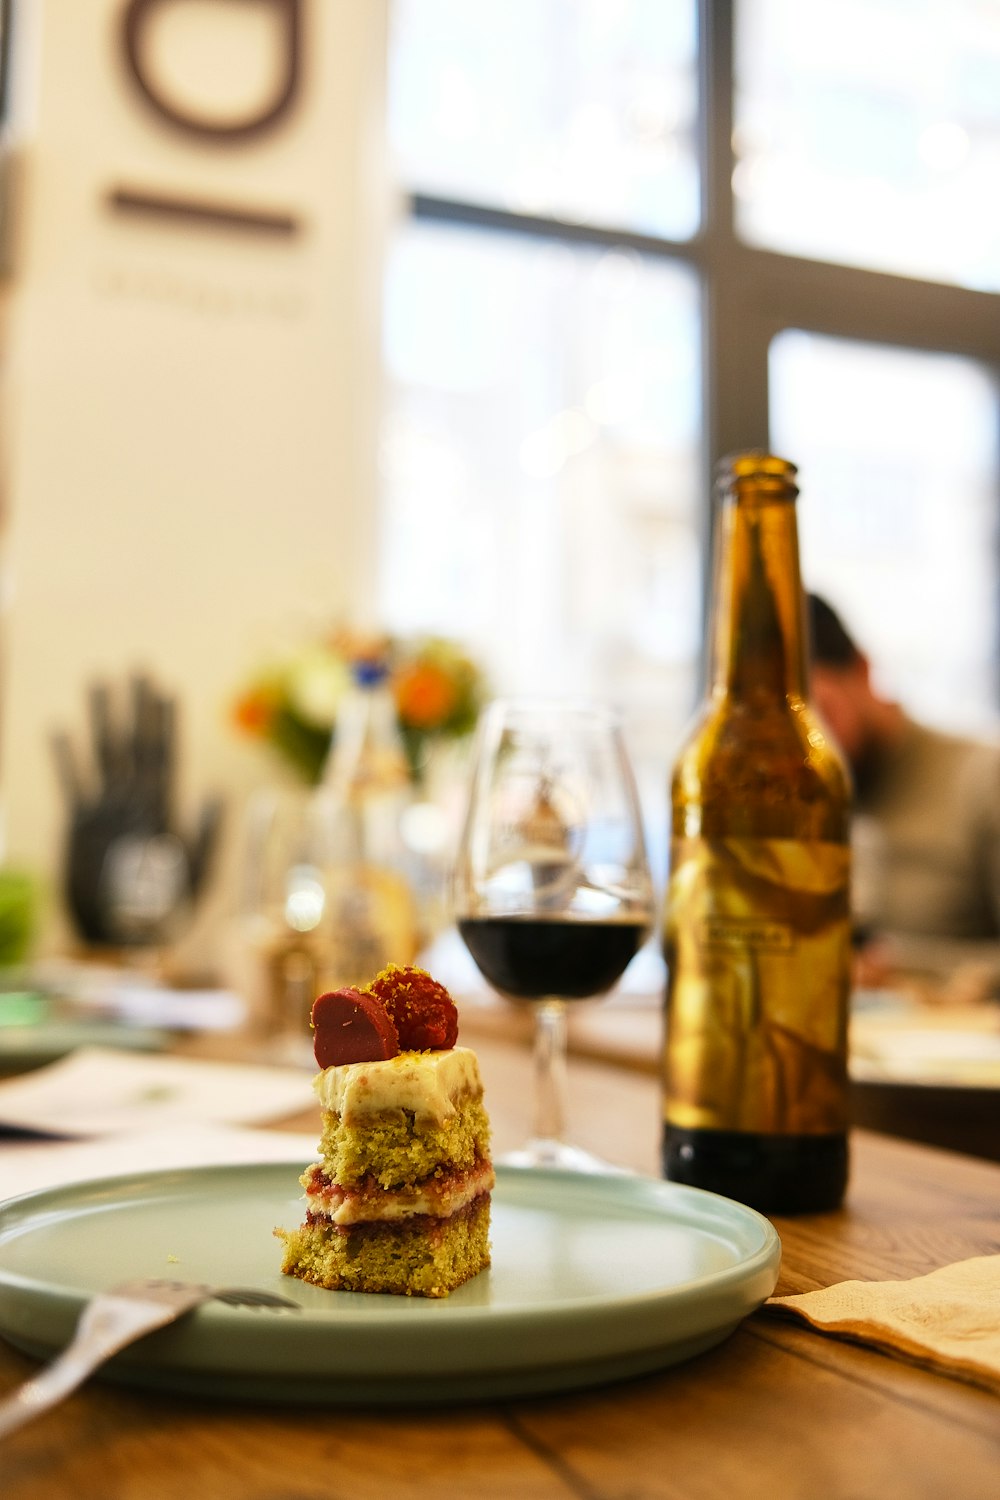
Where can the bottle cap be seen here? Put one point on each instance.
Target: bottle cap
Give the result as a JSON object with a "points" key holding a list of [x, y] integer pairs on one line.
{"points": [[369, 672], [764, 472], [756, 461]]}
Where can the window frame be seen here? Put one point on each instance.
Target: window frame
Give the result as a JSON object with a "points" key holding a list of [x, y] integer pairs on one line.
{"points": [[749, 294]]}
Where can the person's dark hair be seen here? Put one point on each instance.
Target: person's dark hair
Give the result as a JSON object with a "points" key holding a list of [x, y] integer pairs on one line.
{"points": [[831, 644]]}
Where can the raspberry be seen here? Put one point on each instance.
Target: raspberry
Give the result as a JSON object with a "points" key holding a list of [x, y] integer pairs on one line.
{"points": [[421, 1010], [351, 1026]]}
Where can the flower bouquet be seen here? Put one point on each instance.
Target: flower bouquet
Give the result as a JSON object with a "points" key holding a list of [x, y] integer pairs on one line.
{"points": [[292, 705]]}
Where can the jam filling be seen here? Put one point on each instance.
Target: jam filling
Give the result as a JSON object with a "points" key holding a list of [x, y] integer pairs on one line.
{"points": [[320, 1185], [426, 1224]]}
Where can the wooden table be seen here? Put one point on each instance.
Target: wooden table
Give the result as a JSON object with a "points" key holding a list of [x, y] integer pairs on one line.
{"points": [[961, 1117], [775, 1411]]}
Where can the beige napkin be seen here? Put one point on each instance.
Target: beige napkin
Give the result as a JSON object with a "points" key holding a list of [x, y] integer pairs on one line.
{"points": [[948, 1320]]}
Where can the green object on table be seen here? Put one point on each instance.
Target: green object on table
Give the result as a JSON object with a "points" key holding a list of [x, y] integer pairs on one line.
{"points": [[23, 1048], [22, 1008], [18, 915]]}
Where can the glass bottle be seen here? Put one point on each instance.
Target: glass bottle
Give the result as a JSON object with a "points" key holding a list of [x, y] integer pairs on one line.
{"points": [[371, 913], [757, 926]]}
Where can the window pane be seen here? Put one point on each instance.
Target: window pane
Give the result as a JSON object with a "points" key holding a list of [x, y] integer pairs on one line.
{"points": [[898, 463], [576, 109], [867, 132], [541, 463]]}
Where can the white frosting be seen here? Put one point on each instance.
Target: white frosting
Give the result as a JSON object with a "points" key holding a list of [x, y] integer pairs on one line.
{"points": [[428, 1083]]}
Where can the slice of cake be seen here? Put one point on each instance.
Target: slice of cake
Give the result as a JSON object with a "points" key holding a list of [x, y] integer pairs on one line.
{"points": [[400, 1198]]}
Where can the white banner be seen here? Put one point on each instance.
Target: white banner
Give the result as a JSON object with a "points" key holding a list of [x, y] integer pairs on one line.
{"points": [[191, 373]]}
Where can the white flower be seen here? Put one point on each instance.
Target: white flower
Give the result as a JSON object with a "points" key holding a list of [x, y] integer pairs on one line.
{"points": [[316, 683]]}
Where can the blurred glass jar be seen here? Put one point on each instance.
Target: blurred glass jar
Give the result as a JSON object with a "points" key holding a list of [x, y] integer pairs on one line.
{"points": [[331, 883]]}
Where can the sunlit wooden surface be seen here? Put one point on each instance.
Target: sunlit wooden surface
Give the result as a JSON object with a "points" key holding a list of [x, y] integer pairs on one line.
{"points": [[775, 1411], [961, 1116]]}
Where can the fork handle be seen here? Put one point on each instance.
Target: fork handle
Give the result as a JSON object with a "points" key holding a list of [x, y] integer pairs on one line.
{"points": [[106, 1325]]}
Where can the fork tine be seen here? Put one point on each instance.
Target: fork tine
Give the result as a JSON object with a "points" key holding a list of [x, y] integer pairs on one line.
{"points": [[236, 1296], [162, 1289], [108, 1323]]}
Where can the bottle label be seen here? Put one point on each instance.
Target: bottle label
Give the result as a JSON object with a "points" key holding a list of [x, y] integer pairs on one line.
{"points": [[758, 951]]}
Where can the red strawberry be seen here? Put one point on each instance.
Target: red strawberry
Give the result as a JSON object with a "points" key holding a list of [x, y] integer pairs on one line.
{"points": [[421, 1010], [351, 1026]]}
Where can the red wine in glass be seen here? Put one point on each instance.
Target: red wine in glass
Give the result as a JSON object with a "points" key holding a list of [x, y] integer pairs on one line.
{"points": [[529, 957]]}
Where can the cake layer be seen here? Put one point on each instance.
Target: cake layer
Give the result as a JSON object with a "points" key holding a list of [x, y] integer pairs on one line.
{"points": [[416, 1257], [439, 1195], [430, 1085], [398, 1147]]}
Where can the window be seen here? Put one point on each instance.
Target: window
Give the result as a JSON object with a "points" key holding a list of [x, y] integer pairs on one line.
{"points": [[868, 133], [556, 492], [580, 110], [644, 233], [899, 520]]}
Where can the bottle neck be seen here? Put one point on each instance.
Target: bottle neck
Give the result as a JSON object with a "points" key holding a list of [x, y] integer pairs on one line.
{"points": [[758, 648], [367, 754]]}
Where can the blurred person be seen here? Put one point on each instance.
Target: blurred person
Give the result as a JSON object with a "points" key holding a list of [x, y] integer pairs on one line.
{"points": [[926, 830]]}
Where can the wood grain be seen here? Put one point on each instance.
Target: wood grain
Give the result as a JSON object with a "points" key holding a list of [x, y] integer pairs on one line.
{"points": [[936, 1114], [778, 1410]]}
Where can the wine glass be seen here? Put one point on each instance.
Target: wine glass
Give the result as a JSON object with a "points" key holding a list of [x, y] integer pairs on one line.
{"points": [[552, 889]]}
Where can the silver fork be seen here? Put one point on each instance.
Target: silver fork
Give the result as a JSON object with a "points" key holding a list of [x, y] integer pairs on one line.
{"points": [[111, 1321]]}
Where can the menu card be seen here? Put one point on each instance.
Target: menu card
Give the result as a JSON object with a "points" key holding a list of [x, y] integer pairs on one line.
{"points": [[99, 1092], [36, 1163]]}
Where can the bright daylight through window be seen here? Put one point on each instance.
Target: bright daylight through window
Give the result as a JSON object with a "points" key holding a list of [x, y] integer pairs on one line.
{"points": [[614, 265]]}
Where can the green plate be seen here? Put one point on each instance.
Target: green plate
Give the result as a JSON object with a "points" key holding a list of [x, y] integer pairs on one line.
{"points": [[23, 1048], [593, 1279]]}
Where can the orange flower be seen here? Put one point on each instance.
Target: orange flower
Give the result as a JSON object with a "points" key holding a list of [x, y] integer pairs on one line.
{"points": [[254, 711], [425, 696]]}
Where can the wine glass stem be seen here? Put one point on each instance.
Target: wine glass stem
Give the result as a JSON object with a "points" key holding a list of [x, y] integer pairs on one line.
{"points": [[550, 1077]]}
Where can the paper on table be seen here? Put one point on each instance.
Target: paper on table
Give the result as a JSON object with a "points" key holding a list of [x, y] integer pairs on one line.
{"points": [[140, 1000], [946, 1320], [958, 1057], [97, 1091], [177, 1010], [26, 1166]]}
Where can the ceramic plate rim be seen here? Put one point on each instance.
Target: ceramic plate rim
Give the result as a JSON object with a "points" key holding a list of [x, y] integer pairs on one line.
{"points": [[622, 1333], [770, 1240]]}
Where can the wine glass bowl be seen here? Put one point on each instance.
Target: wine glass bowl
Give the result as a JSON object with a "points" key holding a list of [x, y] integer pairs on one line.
{"points": [[552, 890]]}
